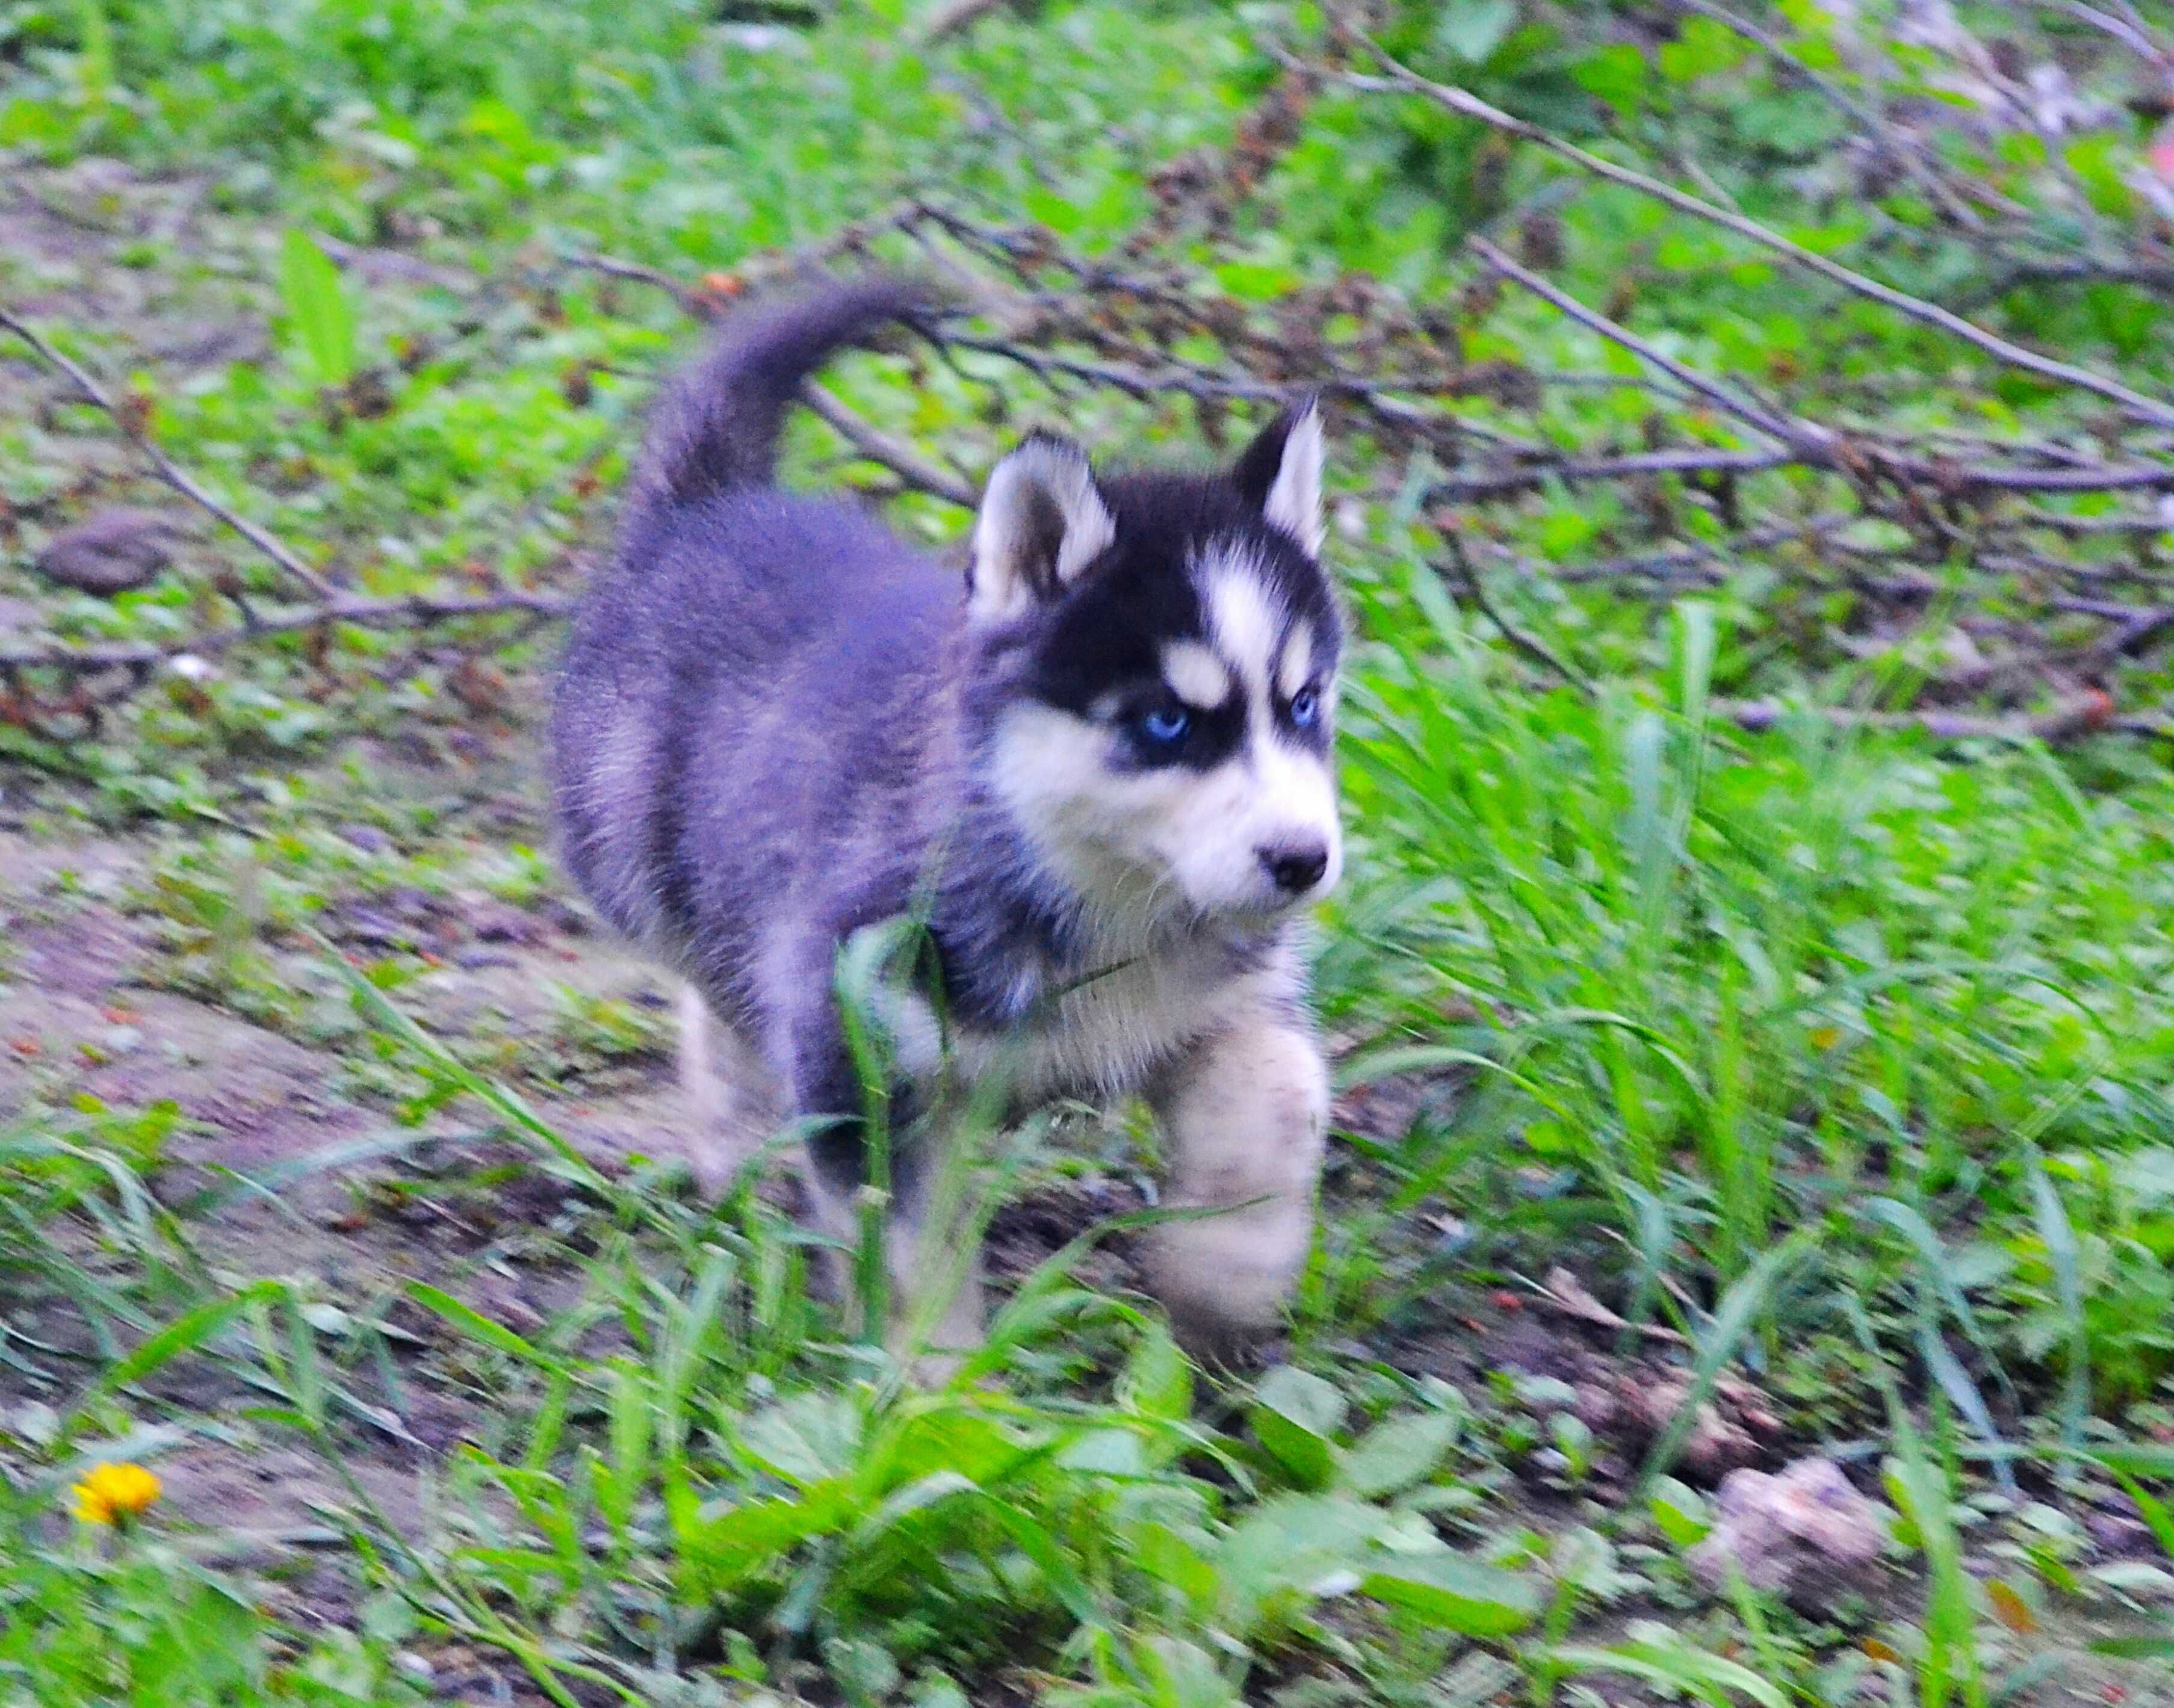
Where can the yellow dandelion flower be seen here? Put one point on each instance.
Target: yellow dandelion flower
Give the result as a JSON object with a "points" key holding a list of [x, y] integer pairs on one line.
{"points": [[113, 1493]]}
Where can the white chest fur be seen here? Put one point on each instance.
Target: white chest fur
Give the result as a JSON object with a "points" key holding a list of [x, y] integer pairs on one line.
{"points": [[1103, 1034]]}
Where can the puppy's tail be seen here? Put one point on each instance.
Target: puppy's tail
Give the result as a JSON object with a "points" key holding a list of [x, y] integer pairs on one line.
{"points": [[715, 428]]}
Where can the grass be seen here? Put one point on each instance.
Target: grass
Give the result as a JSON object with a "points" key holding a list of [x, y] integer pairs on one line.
{"points": [[1831, 1058]]}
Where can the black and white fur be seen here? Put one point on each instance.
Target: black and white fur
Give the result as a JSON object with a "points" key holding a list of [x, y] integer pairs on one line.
{"points": [[1104, 775]]}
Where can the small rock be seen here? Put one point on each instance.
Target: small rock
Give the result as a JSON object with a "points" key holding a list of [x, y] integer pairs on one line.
{"points": [[1633, 1403], [112, 552], [495, 922], [366, 925], [1804, 1532]]}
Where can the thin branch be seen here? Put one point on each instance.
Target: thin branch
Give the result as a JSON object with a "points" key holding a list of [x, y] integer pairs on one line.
{"points": [[1916, 159], [1530, 645], [1701, 561], [1497, 483], [1404, 80], [612, 267], [2128, 34], [1815, 445], [1135, 382], [2156, 277], [893, 454], [166, 468], [2086, 714], [1803, 434], [2140, 629], [370, 613]]}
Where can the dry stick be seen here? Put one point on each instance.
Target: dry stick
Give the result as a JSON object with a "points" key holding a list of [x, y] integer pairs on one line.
{"points": [[1530, 645], [1817, 446], [1704, 560], [1913, 154], [1374, 396], [414, 608], [613, 267], [1404, 80], [1497, 483], [167, 469], [2087, 714], [893, 454], [1815, 441], [2137, 632], [955, 17], [2128, 34]]}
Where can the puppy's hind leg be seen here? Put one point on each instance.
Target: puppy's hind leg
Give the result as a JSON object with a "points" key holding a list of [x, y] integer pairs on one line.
{"points": [[727, 1089], [934, 1305], [1244, 1115], [925, 1272]]}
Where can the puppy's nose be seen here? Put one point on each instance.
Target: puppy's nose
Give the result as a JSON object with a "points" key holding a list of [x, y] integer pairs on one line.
{"points": [[1297, 866]]}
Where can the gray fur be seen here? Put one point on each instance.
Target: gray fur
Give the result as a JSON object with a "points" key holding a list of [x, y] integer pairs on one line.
{"points": [[773, 727]]}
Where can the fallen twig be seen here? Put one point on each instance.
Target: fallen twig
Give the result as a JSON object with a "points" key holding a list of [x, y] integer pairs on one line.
{"points": [[1402, 79], [341, 608], [1813, 446], [893, 454], [2089, 713], [1564, 1292], [167, 469], [1811, 442], [1530, 645]]}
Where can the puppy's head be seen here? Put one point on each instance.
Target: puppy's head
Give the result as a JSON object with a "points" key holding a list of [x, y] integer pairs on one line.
{"points": [[1156, 688]]}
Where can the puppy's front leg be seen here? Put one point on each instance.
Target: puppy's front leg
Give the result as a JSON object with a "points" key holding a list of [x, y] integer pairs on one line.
{"points": [[1243, 1116], [935, 1285]]}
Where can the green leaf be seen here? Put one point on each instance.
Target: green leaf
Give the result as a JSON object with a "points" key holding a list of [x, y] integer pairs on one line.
{"points": [[1460, 1595], [2137, 1648], [808, 1439], [917, 1496], [1740, 1305], [627, 1468], [1158, 1379], [1695, 650], [1950, 1657], [482, 1327], [316, 303], [1616, 74], [2059, 1237], [1294, 1415], [1681, 1512], [717, 1554], [1035, 1541], [1288, 1546], [1676, 1665], [1400, 1452], [1472, 29], [185, 1333]]}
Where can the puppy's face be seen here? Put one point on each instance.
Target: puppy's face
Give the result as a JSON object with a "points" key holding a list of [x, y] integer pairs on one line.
{"points": [[1158, 691]]}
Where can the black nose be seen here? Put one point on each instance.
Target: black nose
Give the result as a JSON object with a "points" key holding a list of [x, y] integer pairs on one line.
{"points": [[1295, 866]]}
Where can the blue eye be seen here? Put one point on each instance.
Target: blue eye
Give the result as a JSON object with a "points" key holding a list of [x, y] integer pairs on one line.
{"points": [[1305, 708], [1165, 726]]}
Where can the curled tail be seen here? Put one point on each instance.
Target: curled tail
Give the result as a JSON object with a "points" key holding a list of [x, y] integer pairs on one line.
{"points": [[715, 427]]}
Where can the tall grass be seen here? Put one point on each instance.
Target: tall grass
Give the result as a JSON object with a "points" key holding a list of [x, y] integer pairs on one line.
{"points": [[1741, 986]]}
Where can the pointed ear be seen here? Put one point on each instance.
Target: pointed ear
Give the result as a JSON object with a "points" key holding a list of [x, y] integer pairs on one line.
{"points": [[1281, 473], [1043, 520]]}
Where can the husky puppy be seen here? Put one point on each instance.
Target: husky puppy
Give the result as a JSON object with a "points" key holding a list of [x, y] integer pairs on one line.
{"points": [[1100, 773]]}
